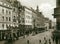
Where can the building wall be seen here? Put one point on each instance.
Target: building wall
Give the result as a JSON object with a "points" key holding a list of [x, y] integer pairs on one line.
{"points": [[28, 17], [5, 15], [47, 26], [14, 16], [39, 19], [22, 17]]}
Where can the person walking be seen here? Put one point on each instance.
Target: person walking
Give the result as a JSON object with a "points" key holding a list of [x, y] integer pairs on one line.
{"points": [[39, 41], [49, 41], [45, 40], [27, 41]]}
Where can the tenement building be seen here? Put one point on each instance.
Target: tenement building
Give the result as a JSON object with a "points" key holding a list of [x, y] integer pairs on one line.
{"points": [[38, 19], [47, 23], [21, 23], [28, 19], [16, 20], [7, 18]]}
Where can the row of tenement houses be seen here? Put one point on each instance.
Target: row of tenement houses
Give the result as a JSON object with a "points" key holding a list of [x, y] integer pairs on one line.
{"points": [[16, 18]]}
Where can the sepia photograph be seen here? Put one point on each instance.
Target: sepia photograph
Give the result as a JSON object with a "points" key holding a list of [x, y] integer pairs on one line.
{"points": [[29, 22]]}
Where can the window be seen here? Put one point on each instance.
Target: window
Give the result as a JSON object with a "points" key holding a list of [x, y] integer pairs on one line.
{"points": [[3, 18], [6, 12], [28, 17], [14, 20], [26, 21], [3, 25], [3, 11], [6, 26], [14, 17], [9, 12], [19, 21], [14, 9], [6, 18], [23, 20], [9, 19]]}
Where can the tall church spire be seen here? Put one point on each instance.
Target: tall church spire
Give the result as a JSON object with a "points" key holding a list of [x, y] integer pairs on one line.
{"points": [[37, 9]]}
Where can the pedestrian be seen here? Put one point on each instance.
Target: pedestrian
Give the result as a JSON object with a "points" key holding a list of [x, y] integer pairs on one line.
{"points": [[27, 41], [39, 41], [49, 41], [45, 42], [52, 38], [44, 38]]}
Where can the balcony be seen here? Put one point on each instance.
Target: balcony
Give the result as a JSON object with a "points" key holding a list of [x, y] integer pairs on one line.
{"points": [[57, 10]]}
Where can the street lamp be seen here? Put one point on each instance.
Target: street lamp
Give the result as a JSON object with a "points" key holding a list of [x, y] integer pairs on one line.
{"points": [[34, 26]]}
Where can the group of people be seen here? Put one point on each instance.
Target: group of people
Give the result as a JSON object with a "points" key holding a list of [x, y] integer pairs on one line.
{"points": [[45, 41]]}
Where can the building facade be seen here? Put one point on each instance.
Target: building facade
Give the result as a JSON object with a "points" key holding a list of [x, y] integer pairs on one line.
{"points": [[38, 20], [47, 23], [28, 19], [8, 18], [16, 19], [56, 33], [6, 13]]}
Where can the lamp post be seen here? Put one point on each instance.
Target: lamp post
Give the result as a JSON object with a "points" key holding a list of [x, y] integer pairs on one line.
{"points": [[34, 26]]}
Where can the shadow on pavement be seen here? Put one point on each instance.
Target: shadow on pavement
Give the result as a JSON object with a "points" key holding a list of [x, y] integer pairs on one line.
{"points": [[9, 42]]}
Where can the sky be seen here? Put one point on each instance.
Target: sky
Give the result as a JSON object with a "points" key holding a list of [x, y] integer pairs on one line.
{"points": [[45, 6]]}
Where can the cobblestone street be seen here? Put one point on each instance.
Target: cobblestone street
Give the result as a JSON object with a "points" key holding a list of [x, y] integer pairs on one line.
{"points": [[29, 21], [34, 39]]}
